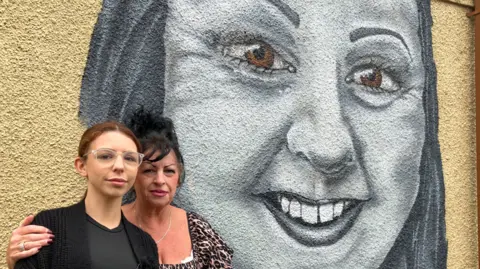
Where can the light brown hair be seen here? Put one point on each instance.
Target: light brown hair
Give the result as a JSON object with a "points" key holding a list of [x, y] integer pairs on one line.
{"points": [[97, 130]]}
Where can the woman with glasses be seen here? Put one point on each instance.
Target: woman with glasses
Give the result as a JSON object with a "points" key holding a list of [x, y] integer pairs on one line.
{"points": [[94, 233]]}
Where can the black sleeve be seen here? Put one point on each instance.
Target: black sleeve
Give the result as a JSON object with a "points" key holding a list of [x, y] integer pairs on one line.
{"points": [[148, 258], [151, 248], [27, 263]]}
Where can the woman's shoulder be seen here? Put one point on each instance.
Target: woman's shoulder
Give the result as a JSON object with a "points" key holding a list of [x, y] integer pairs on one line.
{"points": [[195, 218], [47, 216], [209, 245]]}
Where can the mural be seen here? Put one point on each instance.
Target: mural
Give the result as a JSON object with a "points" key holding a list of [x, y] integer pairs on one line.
{"points": [[308, 128]]}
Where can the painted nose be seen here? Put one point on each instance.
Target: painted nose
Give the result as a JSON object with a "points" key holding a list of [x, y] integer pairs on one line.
{"points": [[327, 146], [320, 134]]}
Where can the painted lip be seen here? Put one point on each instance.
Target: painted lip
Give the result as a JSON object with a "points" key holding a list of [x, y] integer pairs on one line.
{"points": [[313, 222], [117, 181], [159, 193]]}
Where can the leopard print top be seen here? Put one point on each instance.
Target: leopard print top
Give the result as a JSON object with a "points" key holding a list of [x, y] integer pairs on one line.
{"points": [[209, 249]]}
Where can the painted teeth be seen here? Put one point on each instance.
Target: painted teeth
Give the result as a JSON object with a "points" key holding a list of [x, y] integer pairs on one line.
{"points": [[337, 209], [295, 208], [326, 212], [313, 213], [310, 213], [285, 204]]}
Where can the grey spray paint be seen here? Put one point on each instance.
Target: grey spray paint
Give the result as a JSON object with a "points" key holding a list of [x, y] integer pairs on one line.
{"points": [[308, 128]]}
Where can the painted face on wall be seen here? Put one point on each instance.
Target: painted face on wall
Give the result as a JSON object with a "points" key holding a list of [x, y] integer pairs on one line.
{"points": [[301, 123]]}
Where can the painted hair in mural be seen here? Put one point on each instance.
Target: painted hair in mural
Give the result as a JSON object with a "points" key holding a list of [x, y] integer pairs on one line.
{"points": [[309, 128]]}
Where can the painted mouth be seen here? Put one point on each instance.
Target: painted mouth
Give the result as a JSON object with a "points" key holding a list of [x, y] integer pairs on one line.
{"points": [[313, 222]]}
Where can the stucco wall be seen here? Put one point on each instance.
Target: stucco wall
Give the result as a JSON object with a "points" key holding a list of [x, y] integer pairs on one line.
{"points": [[43, 47], [454, 54]]}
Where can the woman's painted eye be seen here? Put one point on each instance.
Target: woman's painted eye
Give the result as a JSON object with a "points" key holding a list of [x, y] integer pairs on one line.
{"points": [[260, 55], [375, 80], [371, 78], [375, 86]]}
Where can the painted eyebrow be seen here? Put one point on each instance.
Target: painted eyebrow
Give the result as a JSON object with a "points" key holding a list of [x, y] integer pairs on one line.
{"points": [[287, 11], [360, 33]]}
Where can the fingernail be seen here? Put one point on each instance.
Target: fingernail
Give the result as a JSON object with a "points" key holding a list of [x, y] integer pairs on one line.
{"points": [[49, 241], [52, 236], [48, 231]]}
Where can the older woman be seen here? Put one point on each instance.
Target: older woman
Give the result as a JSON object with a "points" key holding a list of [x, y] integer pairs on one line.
{"points": [[309, 127], [184, 239]]}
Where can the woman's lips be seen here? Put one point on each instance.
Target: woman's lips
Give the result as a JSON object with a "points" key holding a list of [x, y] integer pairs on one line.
{"points": [[117, 181], [313, 223], [159, 193]]}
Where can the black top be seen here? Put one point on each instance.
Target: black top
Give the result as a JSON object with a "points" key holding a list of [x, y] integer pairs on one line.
{"points": [[70, 248], [109, 248]]}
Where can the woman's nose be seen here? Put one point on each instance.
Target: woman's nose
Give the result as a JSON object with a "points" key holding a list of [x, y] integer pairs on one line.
{"points": [[326, 144], [320, 134], [159, 178], [118, 163]]}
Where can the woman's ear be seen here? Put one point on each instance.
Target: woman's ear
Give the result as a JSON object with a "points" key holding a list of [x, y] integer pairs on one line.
{"points": [[80, 166]]}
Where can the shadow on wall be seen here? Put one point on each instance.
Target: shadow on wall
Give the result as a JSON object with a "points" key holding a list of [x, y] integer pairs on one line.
{"points": [[309, 135]]}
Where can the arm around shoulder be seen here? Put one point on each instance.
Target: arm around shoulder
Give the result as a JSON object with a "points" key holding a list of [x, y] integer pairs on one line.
{"points": [[42, 219]]}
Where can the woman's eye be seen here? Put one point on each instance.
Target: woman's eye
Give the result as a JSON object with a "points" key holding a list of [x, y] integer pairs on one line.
{"points": [[169, 171], [375, 86], [375, 80], [260, 55], [130, 158], [104, 156]]}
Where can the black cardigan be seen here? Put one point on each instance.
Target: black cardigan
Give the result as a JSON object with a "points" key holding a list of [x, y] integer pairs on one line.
{"points": [[69, 248]]}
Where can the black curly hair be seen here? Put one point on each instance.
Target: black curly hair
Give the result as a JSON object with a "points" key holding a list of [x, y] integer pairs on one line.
{"points": [[156, 135]]}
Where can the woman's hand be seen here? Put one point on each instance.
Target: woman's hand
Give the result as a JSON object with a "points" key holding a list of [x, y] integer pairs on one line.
{"points": [[26, 241]]}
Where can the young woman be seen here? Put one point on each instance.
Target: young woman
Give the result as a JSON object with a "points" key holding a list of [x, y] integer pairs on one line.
{"points": [[94, 233]]}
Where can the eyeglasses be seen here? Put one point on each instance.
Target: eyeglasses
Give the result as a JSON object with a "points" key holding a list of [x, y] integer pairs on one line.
{"points": [[109, 156]]}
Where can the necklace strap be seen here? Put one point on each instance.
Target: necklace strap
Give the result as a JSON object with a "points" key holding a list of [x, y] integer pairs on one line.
{"points": [[140, 224]]}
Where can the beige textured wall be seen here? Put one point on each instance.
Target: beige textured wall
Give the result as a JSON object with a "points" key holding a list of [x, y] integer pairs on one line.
{"points": [[454, 56], [43, 47]]}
